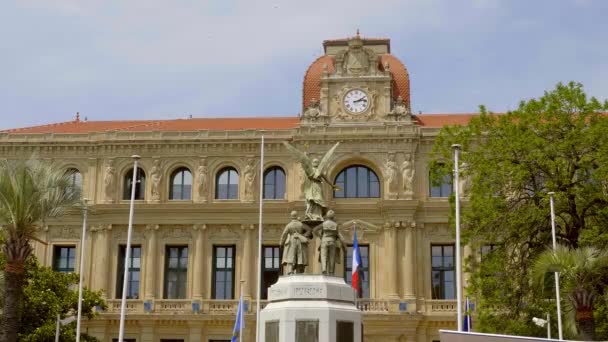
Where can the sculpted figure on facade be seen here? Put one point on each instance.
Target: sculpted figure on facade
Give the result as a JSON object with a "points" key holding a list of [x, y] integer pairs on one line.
{"points": [[294, 241], [108, 181], [313, 111], [201, 176], [314, 169], [407, 176], [249, 175], [465, 181], [390, 170], [332, 244], [400, 111], [156, 176]]}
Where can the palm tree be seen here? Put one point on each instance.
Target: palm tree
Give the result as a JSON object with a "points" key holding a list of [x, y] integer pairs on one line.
{"points": [[580, 271], [31, 191]]}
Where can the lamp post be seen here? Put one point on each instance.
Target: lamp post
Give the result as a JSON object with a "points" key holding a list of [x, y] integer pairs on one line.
{"points": [[557, 294], [456, 148], [82, 239], [123, 303]]}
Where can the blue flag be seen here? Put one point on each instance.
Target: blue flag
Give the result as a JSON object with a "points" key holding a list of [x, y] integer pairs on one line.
{"points": [[467, 325], [239, 324]]}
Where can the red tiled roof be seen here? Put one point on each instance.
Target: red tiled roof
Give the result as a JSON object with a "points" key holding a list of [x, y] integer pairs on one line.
{"points": [[228, 124], [213, 124], [440, 120], [312, 78]]}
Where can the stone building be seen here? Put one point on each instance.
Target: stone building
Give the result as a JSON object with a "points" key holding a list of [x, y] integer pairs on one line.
{"points": [[196, 213]]}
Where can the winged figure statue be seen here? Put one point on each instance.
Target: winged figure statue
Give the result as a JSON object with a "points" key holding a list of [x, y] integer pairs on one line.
{"points": [[313, 183]]}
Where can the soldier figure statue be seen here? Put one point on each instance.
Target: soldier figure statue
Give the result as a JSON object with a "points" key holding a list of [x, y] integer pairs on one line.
{"points": [[332, 243], [294, 241]]}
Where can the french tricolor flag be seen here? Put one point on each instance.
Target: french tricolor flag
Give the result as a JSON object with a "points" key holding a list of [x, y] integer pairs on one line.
{"points": [[357, 275]]}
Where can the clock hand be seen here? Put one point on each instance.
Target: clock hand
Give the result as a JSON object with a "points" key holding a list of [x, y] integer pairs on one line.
{"points": [[361, 99]]}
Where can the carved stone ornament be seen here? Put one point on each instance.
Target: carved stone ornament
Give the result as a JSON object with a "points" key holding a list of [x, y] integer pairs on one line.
{"points": [[407, 176], [390, 171], [156, 176], [313, 113], [400, 111], [357, 60], [177, 232], [437, 231], [224, 233], [249, 175], [65, 232], [120, 233], [109, 181], [363, 229], [202, 180]]}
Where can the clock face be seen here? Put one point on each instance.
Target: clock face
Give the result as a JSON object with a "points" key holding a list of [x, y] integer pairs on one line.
{"points": [[356, 101]]}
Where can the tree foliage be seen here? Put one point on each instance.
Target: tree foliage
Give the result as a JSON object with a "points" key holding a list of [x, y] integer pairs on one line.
{"points": [[47, 294], [580, 272], [556, 143], [31, 191]]}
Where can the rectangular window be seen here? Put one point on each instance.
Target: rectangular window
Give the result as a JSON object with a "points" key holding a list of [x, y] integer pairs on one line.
{"points": [[134, 269], [348, 276], [441, 188], [64, 259], [223, 272], [271, 268], [443, 275], [176, 272]]}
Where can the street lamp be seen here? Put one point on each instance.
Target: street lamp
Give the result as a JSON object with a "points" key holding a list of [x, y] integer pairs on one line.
{"points": [[542, 322]]}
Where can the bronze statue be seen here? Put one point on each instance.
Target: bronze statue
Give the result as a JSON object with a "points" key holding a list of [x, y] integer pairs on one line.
{"points": [[294, 241], [315, 176]]}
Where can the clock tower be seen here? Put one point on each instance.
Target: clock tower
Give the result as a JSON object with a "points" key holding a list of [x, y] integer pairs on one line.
{"points": [[357, 80]]}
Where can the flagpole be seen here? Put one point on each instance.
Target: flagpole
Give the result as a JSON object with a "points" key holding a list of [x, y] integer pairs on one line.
{"points": [[456, 148], [259, 294], [557, 294], [84, 232], [123, 304], [57, 330], [241, 328]]}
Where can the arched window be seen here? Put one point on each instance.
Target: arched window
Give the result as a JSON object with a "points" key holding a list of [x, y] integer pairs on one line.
{"points": [[274, 183], [227, 184], [441, 187], [181, 184], [140, 184], [357, 181], [75, 179]]}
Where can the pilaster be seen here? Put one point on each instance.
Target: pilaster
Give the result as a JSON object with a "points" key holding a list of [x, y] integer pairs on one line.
{"points": [[199, 262], [390, 235], [246, 266], [409, 262], [101, 259], [151, 237]]}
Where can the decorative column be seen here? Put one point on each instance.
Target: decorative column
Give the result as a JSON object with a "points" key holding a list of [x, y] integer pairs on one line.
{"points": [[151, 252], [390, 235], [199, 262], [101, 259], [410, 260], [246, 261]]}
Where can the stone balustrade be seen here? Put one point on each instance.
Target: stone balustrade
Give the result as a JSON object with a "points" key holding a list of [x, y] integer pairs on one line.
{"points": [[212, 306]]}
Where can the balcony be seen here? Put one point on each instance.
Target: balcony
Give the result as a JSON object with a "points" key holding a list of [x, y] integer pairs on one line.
{"points": [[229, 307]]}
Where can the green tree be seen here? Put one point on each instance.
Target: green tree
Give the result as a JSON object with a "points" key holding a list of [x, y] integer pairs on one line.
{"points": [[31, 192], [48, 294], [580, 272], [557, 143]]}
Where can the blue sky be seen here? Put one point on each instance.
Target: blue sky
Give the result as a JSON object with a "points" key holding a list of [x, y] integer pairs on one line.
{"points": [[151, 59]]}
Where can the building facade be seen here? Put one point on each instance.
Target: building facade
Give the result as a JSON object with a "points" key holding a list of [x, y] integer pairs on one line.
{"points": [[197, 197]]}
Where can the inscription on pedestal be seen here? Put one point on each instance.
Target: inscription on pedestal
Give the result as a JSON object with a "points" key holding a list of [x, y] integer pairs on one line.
{"points": [[309, 292]]}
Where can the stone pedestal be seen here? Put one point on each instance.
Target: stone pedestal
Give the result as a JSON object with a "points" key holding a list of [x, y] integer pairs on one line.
{"points": [[304, 305]]}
